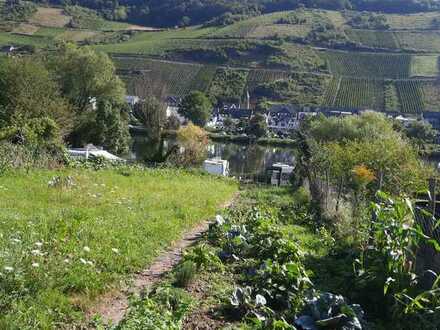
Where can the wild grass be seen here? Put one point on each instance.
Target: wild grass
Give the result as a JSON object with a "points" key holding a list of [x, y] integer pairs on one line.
{"points": [[50, 17], [62, 246]]}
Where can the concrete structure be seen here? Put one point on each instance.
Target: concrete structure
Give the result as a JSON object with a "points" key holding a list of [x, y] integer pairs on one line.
{"points": [[280, 174]]}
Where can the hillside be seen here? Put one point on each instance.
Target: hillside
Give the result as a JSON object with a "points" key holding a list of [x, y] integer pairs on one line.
{"points": [[388, 62], [170, 13]]}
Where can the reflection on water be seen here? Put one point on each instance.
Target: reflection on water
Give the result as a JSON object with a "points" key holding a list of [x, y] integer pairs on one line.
{"points": [[243, 159]]}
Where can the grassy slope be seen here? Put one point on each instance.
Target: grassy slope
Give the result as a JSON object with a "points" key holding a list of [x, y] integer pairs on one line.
{"points": [[125, 220]]}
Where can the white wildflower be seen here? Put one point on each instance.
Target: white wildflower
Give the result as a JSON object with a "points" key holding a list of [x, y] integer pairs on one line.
{"points": [[83, 261], [66, 261], [115, 250], [35, 265], [36, 252], [8, 269], [90, 263], [39, 244], [86, 249], [219, 220], [15, 240]]}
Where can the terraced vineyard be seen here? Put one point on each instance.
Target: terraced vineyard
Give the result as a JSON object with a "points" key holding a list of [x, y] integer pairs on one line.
{"points": [[360, 93], [427, 41], [332, 92], [257, 77], [368, 65], [177, 78], [377, 39], [410, 95], [431, 96], [204, 77], [421, 21], [270, 25]]}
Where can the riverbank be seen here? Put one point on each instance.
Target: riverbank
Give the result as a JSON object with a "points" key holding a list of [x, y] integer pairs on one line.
{"points": [[218, 137], [244, 139], [70, 235]]}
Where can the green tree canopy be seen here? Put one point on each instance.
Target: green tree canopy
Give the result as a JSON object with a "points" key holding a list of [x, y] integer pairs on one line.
{"points": [[257, 126], [196, 107], [28, 94], [85, 75]]}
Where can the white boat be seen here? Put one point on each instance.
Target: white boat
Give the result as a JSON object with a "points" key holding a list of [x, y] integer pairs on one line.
{"points": [[216, 166]]}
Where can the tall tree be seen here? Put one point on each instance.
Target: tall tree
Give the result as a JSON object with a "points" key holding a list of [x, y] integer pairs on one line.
{"points": [[197, 108], [27, 93], [86, 75]]}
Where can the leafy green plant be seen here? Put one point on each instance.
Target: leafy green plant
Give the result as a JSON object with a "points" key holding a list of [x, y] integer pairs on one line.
{"points": [[204, 258], [248, 305], [185, 273], [386, 269]]}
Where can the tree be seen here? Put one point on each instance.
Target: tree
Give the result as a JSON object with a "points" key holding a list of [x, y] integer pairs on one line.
{"points": [[85, 75], [28, 95], [196, 107], [151, 113], [106, 127], [257, 126], [421, 132], [193, 140]]}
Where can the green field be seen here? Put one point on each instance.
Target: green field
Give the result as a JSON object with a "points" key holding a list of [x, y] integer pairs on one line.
{"points": [[424, 66], [61, 247], [368, 65]]}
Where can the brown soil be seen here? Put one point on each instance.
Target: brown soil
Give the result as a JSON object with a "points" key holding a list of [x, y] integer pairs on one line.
{"points": [[113, 306]]}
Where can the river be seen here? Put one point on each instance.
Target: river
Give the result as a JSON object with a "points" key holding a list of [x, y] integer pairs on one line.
{"points": [[243, 159]]}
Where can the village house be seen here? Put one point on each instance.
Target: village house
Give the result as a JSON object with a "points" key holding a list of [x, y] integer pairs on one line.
{"points": [[228, 111]]}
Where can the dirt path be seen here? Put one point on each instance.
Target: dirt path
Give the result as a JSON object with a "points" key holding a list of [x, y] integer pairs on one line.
{"points": [[113, 306]]}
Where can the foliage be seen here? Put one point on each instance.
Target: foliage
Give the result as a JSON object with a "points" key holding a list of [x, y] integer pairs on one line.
{"points": [[257, 126], [106, 127], [17, 10], [185, 273], [228, 85], [193, 140], [30, 102], [386, 264], [299, 88], [151, 114], [85, 75], [421, 132], [164, 308], [204, 258], [369, 21], [196, 107], [274, 269]]}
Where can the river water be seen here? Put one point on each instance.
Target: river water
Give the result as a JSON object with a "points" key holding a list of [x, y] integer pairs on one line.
{"points": [[243, 159]]}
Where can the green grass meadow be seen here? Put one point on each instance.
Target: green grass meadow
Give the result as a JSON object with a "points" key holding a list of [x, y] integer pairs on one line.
{"points": [[62, 247]]}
